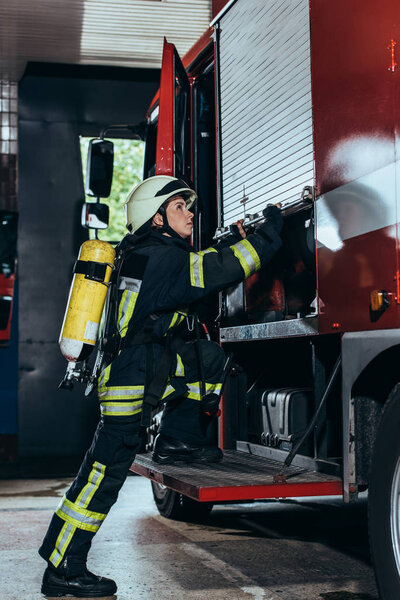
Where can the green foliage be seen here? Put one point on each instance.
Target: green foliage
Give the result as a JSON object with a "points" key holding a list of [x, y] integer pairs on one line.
{"points": [[128, 171]]}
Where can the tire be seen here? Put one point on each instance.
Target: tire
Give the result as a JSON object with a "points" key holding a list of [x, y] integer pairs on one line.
{"points": [[173, 505], [384, 500]]}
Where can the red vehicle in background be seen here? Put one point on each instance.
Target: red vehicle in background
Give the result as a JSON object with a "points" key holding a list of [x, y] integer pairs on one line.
{"points": [[8, 245], [275, 98]]}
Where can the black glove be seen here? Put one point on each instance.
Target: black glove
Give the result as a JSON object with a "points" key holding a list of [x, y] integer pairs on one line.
{"points": [[234, 229], [210, 405], [273, 217]]}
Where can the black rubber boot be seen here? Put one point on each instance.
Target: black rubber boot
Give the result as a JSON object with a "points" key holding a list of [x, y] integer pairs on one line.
{"points": [[168, 451], [85, 585]]}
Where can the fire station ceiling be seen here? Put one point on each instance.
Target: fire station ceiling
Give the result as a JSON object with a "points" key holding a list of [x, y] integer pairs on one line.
{"points": [[127, 33]]}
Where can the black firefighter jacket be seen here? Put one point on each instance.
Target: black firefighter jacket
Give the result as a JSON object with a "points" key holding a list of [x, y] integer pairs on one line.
{"points": [[162, 275]]}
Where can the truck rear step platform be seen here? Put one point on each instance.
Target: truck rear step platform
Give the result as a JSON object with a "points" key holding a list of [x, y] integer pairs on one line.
{"points": [[240, 476]]}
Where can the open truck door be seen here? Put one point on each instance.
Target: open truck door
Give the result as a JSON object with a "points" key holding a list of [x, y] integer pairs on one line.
{"points": [[173, 133]]}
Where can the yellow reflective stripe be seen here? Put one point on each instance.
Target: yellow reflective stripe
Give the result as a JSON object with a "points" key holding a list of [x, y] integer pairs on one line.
{"points": [[104, 377], [252, 252], [173, 320], [168, 390], [213, 388], [125, 311], [95, 478], [196, 269], [194, 389], [247, 256], [79, 517], [242, 260], [121, 392], [177, 319], [62, 543], [120, 409], [180, 369]]}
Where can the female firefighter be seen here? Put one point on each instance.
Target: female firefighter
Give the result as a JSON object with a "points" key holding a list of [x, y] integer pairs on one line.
{"points": [[158, 278]]}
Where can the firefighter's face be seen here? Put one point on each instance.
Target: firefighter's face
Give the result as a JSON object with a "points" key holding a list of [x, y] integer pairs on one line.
{"points": [[179, 217]]}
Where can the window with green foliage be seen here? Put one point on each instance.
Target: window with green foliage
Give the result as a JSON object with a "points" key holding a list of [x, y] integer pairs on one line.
{"points": [[128, 171]]}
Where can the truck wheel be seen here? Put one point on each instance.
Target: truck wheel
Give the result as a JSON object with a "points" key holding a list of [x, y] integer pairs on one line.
{"points": [[173, 505], [384, 500]]}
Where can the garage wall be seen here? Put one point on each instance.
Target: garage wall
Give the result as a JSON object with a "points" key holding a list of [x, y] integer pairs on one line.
{"points": [[56, 104]]}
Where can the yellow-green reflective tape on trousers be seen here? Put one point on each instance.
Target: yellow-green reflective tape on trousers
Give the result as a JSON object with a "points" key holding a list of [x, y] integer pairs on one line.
{"points": [[62, 543], [80, 517], [95, 478], [247, 256], [194, 389]]}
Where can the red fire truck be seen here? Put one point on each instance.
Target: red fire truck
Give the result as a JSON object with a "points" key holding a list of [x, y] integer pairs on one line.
{"points": [[276, 98]]}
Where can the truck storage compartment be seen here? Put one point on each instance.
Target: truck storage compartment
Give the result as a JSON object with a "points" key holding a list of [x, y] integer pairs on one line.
{"points": [[285, 288]]}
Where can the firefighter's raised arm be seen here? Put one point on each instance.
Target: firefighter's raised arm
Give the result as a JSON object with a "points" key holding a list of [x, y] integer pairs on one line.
{"points": [[222, 265]]}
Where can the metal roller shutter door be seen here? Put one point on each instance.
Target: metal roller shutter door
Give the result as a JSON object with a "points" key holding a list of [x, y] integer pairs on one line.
{"points": [[266, 112]]}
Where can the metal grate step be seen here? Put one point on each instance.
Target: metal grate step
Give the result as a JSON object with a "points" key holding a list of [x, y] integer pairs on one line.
{"points": [[240, 476]]}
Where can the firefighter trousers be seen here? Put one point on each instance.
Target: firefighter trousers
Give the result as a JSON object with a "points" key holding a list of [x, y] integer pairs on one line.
{"points": [[106, 464]]}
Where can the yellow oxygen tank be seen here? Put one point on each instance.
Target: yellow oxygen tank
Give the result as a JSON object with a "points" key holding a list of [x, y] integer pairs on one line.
{"points": [[86, 299]]}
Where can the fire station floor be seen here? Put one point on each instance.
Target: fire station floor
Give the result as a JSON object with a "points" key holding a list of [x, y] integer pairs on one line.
{"points": [[295, 549]]}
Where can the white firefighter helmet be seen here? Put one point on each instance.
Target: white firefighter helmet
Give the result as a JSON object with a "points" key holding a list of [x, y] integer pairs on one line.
{"points": [[145, 199]]}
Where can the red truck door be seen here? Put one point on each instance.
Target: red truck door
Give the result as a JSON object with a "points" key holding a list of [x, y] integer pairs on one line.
{"points": [[173, 136]]}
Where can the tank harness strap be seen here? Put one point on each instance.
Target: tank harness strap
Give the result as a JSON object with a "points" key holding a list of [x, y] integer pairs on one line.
{"points": [[91, 270], [155, 380]]}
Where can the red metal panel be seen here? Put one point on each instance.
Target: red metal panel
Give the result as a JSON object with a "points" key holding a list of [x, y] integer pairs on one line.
{"points": [[217, 6], [261, 492], [202, 43], [353, 86], [347, 278], [165, 131], [6, 290]]}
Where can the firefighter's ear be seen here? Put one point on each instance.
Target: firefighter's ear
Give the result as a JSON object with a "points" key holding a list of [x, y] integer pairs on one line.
{"points": [[158, 221]]}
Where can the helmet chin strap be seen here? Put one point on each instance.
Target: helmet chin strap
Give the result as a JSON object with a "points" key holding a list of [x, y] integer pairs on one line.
{"points": [[166, 228]]}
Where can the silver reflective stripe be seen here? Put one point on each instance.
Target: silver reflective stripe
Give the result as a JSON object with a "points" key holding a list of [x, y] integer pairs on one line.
{"points": [[61, 544], [96, 474], [168, 390], [124, 309], [126, 393], [129, 283], [180, 370], [78, 516], [196, 270], [119, 407], [246, 255], [194, 388]]}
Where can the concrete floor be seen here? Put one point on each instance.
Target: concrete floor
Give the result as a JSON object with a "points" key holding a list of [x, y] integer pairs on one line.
{"points": [[292, 550]]}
